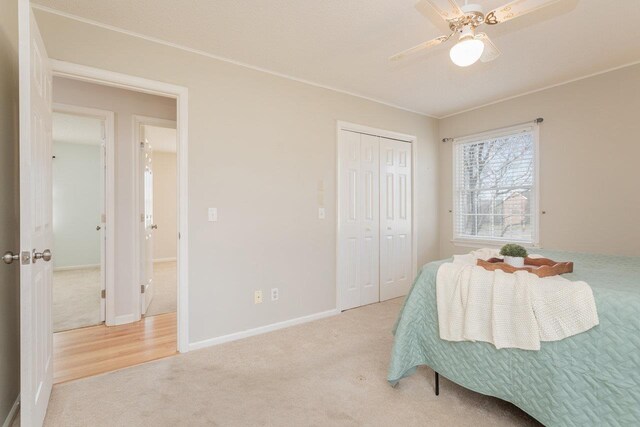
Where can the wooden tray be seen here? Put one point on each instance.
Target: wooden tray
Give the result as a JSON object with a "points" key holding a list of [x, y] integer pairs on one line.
{"points": [[541, 267]]}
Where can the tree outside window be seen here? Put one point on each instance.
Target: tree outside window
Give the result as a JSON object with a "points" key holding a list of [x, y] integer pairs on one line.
{"points": [[495, 182]]}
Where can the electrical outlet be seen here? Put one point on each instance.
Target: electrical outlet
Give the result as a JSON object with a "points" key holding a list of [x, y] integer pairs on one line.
{"points": [[257, 297], [275, 294], [321, 213]]}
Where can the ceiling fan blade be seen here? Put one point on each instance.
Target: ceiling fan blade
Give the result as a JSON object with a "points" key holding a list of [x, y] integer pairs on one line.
{"points": [[514, 9], [490, 52], [418, 48], [447, 9]]}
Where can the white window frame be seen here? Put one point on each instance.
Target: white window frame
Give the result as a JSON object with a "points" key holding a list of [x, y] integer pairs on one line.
{"points": [[535, 214]]}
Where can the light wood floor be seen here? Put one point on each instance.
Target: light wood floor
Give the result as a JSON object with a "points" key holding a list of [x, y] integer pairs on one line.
{"points": [[94, 350]]}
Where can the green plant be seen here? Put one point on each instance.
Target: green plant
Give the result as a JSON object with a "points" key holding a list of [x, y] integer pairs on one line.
{"points": [[513, 250]]}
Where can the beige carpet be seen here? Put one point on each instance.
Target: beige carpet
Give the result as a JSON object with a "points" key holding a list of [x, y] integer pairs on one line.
{"points": [[76, 295], [76, 298], [326, 373]]}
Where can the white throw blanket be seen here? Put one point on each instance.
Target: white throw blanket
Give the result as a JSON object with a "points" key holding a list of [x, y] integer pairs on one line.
{"points": [[509, 310]]}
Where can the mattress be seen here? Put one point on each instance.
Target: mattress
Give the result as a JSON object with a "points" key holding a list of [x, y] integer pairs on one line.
{"points": [[590, 379]]}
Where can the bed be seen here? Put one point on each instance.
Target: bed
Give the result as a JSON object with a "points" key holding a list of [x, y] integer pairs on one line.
{"points": [[591, 379]]}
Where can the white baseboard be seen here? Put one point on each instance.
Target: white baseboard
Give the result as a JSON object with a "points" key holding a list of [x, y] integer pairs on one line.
{"points": [[76, 267], [262, 329], [165, 259], [127, 318], [12, 413]]}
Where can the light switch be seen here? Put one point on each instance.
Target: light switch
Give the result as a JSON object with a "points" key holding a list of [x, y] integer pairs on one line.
{"points": [[213, 214], [321, 213]]}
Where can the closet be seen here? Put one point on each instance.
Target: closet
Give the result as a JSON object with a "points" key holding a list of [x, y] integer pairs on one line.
{"points": [[375, 218]]}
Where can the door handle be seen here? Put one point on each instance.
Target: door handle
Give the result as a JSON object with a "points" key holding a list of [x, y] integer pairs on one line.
{"points": [[44, 255], [154, 226], [9, 257], [98, 228]]}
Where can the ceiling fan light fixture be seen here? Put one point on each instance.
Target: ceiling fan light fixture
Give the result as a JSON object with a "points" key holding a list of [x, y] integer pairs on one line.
{"points": [[466, 52]]}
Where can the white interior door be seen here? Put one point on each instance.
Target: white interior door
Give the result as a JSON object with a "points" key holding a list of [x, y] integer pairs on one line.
{"points": [[395, 218], [36, 231], [370, 221], [358, 235], [146, 257], [102, 224]]}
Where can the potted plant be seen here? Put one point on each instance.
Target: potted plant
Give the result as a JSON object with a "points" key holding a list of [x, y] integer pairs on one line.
{"points": [[514, 255]]}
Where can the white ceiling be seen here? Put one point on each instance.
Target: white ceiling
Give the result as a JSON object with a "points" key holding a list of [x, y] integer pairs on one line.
{"points": [[344, 44], [76, 129], [161, 139]]}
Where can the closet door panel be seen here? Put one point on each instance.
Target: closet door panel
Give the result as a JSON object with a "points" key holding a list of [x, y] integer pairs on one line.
{"points": [[387, 254], [370, 242], [349, 244], [395, 220]]}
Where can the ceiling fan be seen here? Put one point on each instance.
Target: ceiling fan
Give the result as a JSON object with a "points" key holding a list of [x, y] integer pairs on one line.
{"points": [[472, 46]]}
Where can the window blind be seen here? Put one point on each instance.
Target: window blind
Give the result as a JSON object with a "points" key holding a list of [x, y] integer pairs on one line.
{"points": [[495, 187]]}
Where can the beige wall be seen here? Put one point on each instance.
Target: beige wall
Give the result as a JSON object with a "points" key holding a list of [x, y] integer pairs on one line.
{"points": [[589, 151], [9, 208], [258, 147], [165, 205], [124, 104]]}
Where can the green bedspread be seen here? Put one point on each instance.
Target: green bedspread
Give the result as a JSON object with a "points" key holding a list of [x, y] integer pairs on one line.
{"points": [[590, 379]]}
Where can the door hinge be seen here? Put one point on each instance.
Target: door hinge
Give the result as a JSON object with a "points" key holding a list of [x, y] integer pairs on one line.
{"points": [[103, 293], [142, 289]]}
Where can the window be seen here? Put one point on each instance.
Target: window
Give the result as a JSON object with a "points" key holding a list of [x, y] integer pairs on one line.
{"points": [[495, 186]]}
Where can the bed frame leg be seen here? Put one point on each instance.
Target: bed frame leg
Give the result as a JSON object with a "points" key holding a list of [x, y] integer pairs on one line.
{"points": [[437, 384]]}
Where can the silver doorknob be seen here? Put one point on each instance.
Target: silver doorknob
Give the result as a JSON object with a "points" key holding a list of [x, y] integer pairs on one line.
{"points": [[9, 257], [154, 226], [44, 255], [98, 228]]}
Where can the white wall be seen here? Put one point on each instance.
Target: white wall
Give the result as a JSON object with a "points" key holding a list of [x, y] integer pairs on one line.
{"points": [[165, 205], [77, 193], [259, 147], [589, 151], [9, 209], [124, 104]]}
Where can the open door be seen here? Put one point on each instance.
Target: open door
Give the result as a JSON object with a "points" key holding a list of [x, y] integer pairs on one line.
{"points": [[36, 231], [102, 226], [147, 225]]}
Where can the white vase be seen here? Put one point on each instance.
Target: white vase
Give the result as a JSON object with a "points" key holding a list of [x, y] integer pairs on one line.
{"points": [[514, 261]]}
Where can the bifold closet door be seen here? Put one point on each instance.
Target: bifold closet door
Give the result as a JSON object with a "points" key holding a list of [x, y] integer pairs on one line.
{"points": [[359, 220], [395, 218]]}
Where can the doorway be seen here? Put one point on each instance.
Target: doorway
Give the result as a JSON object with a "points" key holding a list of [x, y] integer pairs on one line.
{"points": [[376, 253], [157, 203], [125, 306], [82, 145], [180, 95]]}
